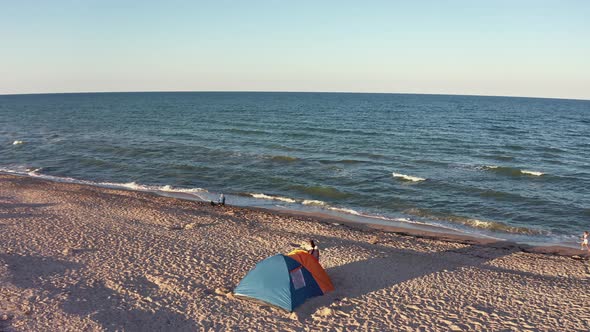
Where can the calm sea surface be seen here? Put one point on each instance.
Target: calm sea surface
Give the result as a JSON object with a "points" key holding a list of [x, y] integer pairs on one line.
{"points": [[511, 168]]}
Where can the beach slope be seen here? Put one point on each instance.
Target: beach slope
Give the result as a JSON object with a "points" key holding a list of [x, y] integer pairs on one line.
{"points": [[81, 258]]}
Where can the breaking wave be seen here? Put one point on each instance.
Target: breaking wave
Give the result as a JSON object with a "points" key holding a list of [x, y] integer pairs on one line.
{"points": [[34, 172], [424, 217], [511, 171], [494, 226], [524, 171], [313, 202], [375, 216], [407, 177], [274, 198], [347, 211]]}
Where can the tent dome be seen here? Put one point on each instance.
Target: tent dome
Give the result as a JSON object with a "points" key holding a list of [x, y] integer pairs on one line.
{"points": [[285, 281]]}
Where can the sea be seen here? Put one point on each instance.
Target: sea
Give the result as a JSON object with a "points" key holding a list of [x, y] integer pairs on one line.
{"points": [[507, 168]]}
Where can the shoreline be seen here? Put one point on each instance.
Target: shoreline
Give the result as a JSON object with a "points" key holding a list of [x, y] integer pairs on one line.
{"points": [[431, 234], [421, 230], [425, 231], [78, 257]]}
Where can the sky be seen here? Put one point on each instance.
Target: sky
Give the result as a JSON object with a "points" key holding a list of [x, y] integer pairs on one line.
{"points": [[510, 48]]}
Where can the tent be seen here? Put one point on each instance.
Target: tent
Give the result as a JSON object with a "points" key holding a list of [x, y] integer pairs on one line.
{"points": [[285, 281]]}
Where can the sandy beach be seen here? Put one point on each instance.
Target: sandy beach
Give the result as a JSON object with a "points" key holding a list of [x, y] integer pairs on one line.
{"points": [[82, 258]]}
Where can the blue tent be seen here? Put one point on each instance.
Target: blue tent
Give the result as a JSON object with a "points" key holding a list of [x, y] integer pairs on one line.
{"points": [[280, 280]]}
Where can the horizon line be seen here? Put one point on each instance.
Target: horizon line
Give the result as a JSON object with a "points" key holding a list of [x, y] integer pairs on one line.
{"points": [[262, 91]]}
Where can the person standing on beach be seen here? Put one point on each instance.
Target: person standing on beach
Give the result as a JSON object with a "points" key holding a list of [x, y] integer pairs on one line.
{"points": [[313, 250], [221, 200], [585, 241]]}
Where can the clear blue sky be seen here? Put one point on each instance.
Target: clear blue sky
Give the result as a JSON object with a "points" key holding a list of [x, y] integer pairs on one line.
{"points": [[523, 48]]}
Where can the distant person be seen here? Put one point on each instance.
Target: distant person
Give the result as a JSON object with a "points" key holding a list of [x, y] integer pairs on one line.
{"points": [[221, 200], [585, 241], [313, 250]]}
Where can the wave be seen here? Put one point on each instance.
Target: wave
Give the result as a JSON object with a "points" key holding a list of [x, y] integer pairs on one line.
{"points": [[143, 187], [497, 226], [431, 162], [535, 173], [185, 167], [554, 150], [321, 191], [343, 161], [35, 172], [17, 142], [503, 157], [313, 202], [515, 147], [368, 155], [169, 188], [496, 155], [284, 158], [325, 206], [344, 210], [494, 226], [247, 131], [378, 217], [512, 171], [275, 198], [495, 194], [425, 217], [407, 177]]}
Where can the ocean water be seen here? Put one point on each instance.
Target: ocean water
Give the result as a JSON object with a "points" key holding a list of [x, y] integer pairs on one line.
{"points": [[509, 168]]}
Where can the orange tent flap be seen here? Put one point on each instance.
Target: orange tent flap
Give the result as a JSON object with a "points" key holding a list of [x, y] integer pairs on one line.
{"points": [[314, 267], [295, 252]]}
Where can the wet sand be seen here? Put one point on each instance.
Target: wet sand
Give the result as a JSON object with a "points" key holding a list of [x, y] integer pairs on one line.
{"points": [[81, 258]]}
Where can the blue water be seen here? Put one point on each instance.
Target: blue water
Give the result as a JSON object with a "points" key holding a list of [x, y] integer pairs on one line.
{"points": [[511, 168]]}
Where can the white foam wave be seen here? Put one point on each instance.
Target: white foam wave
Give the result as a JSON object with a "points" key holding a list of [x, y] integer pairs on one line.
{"points": [[142, 187], [349, 211], [12, 171], [114, 185], [132, 185], [33, 171], [17, 142], [534, 173], [373, 216], [275, 198], [313, 202], [515, 170], [407, 177], [169, 188]]}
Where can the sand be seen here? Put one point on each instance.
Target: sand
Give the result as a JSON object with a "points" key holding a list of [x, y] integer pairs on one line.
{"points": [[81, 258]]}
